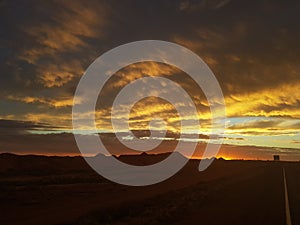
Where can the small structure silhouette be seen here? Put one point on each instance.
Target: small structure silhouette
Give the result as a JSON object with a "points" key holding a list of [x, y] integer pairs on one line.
{"points": [[276, 157]]}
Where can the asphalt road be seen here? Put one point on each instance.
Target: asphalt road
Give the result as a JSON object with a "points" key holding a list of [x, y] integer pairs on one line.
{"points": [[293, 186]]}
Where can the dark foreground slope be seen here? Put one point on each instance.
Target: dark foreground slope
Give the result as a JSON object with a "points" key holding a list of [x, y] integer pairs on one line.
{"points": [[64, 190]]}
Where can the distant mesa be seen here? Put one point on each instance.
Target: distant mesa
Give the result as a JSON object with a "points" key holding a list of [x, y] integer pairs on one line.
{"points": [[100, 155]]}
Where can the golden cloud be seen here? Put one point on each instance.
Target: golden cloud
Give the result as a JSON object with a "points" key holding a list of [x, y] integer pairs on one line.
{"points": [[62, 102], [280, 101], [59, 120], [65, 32], [68, 26], [139, 70], [59, 74]]}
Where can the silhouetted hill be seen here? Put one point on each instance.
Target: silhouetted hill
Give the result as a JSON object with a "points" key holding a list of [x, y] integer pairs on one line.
{"points": [[11, 164], [36, 165], [145, 158]]}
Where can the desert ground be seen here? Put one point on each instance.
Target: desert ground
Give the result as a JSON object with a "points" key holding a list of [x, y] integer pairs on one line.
{"points": [[37, 190]]}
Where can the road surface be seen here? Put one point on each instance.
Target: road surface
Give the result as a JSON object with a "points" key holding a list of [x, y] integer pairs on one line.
{"points": [[293, 185]]}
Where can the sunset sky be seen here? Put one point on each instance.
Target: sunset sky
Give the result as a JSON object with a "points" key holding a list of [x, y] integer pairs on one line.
{"points": [[251, 46]]}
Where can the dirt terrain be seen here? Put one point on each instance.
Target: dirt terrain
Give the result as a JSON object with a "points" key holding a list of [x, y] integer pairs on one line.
{"points": [[64, 190]]}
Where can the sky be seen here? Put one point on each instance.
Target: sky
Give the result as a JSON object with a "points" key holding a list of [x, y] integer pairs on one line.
{"points": [[252, 47]]}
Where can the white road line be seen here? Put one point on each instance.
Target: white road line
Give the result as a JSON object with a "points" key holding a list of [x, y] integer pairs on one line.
{"points": [[287, 205]]}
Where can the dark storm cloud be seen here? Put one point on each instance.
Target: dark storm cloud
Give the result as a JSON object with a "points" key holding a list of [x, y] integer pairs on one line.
{"points": [[268, 125], [51, 43], [46, 45], [22, 127], [256, 124], [38, 144], [252, 47], [65, 144]]}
